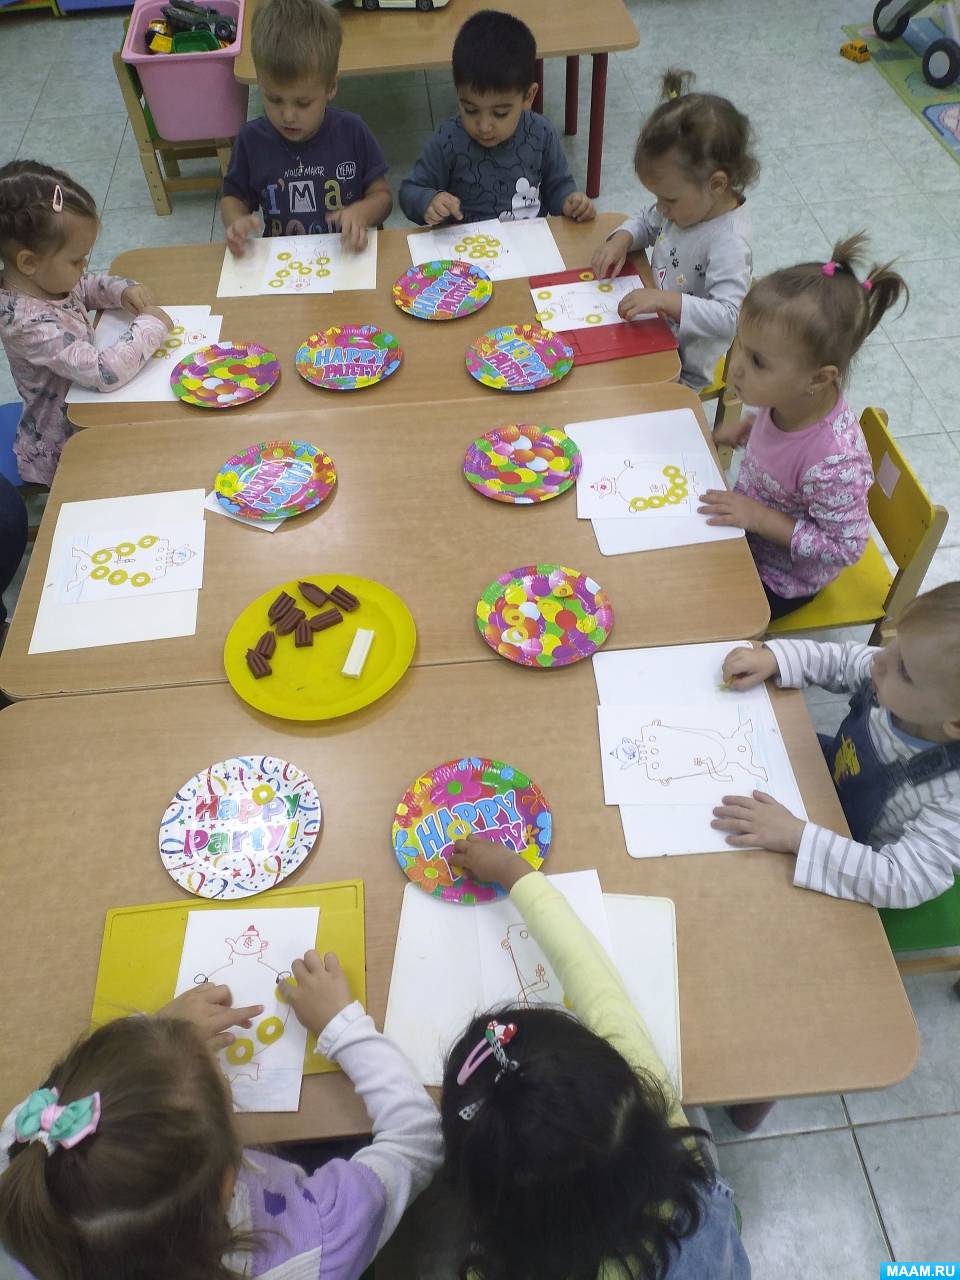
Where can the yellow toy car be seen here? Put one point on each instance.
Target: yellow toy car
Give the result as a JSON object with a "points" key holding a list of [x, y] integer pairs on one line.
{"points": [[423, 5], [856, 50]]}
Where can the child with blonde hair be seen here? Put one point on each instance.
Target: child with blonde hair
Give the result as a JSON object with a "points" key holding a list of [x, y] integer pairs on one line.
{"points": [[694, 153], [128, 1162], [801, 494], [48, 225]]}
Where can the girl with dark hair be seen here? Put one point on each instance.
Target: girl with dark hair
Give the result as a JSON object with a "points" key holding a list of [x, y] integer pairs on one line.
{"points": [[48, 225], [564, 1140]]}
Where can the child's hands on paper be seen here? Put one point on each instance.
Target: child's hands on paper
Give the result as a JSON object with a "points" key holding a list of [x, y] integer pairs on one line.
{"points": [[353, 228], [158, 314], [578, 207], [725, 507], [758, 821], [441, 207], [208, 1008], [136, 298], [609, 257], [240, 230], [746, 667], [320, 992], [489, 860]]}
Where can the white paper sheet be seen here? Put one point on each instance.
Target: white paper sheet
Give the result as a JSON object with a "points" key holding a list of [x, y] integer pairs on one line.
{"points": [[126, 620], [505, 250], [674, 432], [213, 504], [142, 560], [250, 950], [662, 487], [298, 264], [194, 327], [584, 304], [681, 685]]}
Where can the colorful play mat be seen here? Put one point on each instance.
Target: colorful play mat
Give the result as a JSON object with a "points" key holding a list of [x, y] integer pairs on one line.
{"points": [[519, 357], [442, 290], [522, 463], [349, 357], [275, 479], [225, 375], [239, 827], [544, 615], [458, 798]]}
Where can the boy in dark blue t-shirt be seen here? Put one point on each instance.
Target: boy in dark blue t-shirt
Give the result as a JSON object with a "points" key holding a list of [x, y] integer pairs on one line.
{"points": [[497, 158], [308, 167]]}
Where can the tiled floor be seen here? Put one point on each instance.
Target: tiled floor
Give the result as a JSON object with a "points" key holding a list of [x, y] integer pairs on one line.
{"points": [[829, 1186]]}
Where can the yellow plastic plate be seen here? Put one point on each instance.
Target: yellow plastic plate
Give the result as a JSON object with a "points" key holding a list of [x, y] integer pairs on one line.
{"points": [[306, 684]]}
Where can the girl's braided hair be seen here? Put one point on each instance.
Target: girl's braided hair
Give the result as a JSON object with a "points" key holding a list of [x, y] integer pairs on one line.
{"points": [[28, 218]]}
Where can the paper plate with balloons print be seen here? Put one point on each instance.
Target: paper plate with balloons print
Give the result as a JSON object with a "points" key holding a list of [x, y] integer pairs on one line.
{"points": [[442, 290], [239, 827], [225, 375], [275, 479], [473, 795], [349, 357], [519, 357], [522, 464], [544, 615]]}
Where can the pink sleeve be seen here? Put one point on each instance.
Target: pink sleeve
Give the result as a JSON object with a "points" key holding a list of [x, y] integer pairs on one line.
{"points": [[836, 528], [103, 292], [78, 360]]}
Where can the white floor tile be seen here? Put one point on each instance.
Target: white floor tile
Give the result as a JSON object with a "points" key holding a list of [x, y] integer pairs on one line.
{"points": [[792, 1115], [121, 229], [903, 227], [66, 139], [934, 307], [880, 378], [912, 1169], [935, 364]]}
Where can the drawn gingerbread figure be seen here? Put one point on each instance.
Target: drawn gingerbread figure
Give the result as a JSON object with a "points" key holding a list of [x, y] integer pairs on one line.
{"points": [[527, 987], [670, 752]]}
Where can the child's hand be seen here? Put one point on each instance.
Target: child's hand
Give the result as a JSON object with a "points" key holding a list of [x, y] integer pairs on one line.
{"points": [[724, 507], [240, 230], [321, 990], [735, 433], [746, 667], [609, 257], [759, 821], [207, 1008], [158, 314], [489, 860], [441, 207], [578, 207], [353, 229], [136, 298]]}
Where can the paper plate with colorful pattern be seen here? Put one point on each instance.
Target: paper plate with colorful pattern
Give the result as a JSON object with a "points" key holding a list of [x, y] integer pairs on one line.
{"points": [[349, 357], [275, 479], [239, 827], [442, 290], [522, 464], [519, 357], [544, 615], [486, 797], [225, 375]]}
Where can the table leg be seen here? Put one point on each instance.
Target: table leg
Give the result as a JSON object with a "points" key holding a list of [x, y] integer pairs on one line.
{"points": [[538, 100], [598, 97], [748, 1116], [573, 92]]}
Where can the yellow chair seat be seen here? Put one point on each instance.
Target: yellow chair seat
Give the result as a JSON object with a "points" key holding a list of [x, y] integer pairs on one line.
{"points": [[856, 597], [717, 384]]}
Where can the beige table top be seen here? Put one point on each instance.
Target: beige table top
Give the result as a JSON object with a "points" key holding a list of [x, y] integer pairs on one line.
{"points": [[783, 992], [402, 514], [390, 40], [433, 367]]}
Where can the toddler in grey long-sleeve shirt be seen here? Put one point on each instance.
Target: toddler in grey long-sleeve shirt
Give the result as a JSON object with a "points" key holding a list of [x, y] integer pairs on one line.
{"points": [[694, 155]]}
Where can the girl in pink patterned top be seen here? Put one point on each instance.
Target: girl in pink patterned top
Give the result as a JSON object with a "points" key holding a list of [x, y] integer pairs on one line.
{"points": [[48, 224], [801, 494]]}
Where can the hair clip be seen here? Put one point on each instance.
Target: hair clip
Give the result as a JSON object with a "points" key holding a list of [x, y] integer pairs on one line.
{"points": [[470, 1110], [868, 285], [491, 1046], [40, 1119], [829, 268], [58, 199]]}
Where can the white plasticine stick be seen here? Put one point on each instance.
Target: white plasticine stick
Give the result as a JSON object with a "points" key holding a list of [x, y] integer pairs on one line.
{"points": [[357, 657]]}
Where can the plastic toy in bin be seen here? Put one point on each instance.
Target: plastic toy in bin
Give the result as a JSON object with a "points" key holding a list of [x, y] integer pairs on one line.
{"points": [[424, 5], [159, 37], [185, 16]]}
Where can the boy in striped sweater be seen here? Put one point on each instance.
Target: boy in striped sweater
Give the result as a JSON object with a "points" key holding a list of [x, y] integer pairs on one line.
{"points": [[895, 760]]}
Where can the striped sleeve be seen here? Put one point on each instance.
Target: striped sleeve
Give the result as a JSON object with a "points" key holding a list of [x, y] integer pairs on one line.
{"points": [[839, 668], [920, 865]]}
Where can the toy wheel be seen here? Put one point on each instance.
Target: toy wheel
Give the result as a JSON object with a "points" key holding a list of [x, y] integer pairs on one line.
{"points": [[941, 63], [896, 25], [424, 5]]}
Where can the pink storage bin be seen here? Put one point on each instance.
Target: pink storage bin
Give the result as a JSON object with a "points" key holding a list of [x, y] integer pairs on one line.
{"points": [[190, 95]]}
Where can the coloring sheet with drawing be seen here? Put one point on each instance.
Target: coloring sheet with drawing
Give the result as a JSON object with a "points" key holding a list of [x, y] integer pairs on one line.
{"points": [[673, 742], [193, 328], [298, 264], [583, 304], [674, 434], [108, 564], [504, 250], [250, 950], [650, 487]]}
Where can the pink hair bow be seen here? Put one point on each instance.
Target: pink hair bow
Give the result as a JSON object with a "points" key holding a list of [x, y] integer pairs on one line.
{"points": [[829, 268]]}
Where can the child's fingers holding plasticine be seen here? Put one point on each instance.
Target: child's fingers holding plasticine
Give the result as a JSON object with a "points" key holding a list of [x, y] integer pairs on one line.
{"points": [[489, 860], [744, 668], [240, 231], [609, 257], [137, 298], [321, 990], [207, 1007], [579, 207], [441, 207]]}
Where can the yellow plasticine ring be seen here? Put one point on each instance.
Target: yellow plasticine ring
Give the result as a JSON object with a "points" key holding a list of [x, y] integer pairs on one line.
{"points": [[269, 1030], [675, 496], [586, 275], [544, 316], [139, 579], [100, 573], [655, 501], [458, 829], [594, 319], [296, 264], [275, 284], [605, 288], [282, 273], [285, 256], [672, 473], [262, 794], [321, 272], [177, 328], [172, 343], [125, 549], [147, 540], [638, 504], [545, 293], [240, 1051], [117, 578], [103, 556]]}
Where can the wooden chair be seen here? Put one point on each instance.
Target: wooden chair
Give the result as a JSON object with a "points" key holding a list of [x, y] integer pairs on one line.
{"points": [[153, 149], [911, 527]]}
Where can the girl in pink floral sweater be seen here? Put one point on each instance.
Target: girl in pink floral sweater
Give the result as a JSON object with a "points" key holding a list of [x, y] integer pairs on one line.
{"points": [[48, 225], [801, 494]]}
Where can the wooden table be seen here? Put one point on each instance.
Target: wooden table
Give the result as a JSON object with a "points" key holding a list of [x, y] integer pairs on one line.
{"points": [[378, 43], [783, 992], [402, 514], [433, 367]]}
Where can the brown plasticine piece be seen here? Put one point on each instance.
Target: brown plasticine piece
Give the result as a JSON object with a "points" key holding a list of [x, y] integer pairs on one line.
{"points": [[266, 645], [289, 621], [344, 598], [316, 595], [321, 621], [303, 636], [280, 606], [258, 664]]}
